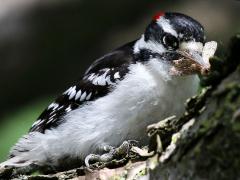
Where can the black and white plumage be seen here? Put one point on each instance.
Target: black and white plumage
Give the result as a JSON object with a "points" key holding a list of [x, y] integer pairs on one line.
{"points": [[121, 93], [97, 82]]}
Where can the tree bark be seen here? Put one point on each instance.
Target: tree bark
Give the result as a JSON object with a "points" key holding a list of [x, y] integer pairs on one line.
{"points": [[203, 144]]}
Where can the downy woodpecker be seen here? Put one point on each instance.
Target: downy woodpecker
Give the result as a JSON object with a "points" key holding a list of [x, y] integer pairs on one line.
{"points": [[140, 83]]}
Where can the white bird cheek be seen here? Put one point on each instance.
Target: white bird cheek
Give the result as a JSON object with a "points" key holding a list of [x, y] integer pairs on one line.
{"points": [[191, 46]]}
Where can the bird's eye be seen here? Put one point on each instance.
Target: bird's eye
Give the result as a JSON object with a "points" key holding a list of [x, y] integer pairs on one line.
{"points": [[170, 42]]}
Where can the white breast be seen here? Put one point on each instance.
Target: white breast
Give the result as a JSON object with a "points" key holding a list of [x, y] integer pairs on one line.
{"points": [[143, 97]]}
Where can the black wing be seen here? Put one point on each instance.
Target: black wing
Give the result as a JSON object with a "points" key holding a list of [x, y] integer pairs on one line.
{"points": [[97, 82]]}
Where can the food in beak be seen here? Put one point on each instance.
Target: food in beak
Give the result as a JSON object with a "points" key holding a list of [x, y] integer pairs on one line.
{"points": [[209, 50], [195, 61]]}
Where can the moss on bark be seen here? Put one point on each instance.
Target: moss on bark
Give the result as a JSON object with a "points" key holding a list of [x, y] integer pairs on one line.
{"points": [[208, 148]]}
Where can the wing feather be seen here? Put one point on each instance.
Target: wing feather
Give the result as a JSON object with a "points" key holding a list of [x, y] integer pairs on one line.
{"points": [[97, 82]]}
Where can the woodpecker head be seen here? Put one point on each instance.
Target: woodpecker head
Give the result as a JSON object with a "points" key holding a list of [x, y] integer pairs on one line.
{"points": [[177, 41]]}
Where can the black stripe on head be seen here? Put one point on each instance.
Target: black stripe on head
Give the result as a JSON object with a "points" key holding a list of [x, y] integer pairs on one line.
{"points": [[153, 32], [187, 28]]}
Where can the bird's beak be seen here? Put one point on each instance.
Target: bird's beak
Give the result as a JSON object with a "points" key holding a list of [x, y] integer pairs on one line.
{"points": [[192, 61]]}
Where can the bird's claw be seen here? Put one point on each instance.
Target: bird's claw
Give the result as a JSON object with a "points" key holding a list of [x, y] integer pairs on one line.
{"points": [[114, 155]]}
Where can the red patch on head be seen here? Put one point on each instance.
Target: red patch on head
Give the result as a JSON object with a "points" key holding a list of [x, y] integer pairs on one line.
{"points": [[158, 15]]}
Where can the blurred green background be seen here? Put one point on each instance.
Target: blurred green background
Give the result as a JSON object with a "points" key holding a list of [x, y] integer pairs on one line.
{"points": [[45, 46]]}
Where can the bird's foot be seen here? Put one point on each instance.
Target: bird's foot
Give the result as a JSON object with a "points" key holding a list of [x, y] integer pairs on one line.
{"points": [[112, 155]]}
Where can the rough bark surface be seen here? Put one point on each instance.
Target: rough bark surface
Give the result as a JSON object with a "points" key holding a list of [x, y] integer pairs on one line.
{"points": [[203, 144]]}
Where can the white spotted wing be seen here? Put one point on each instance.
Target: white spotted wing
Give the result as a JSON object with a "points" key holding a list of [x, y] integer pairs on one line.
{"points": [[96, 83]]}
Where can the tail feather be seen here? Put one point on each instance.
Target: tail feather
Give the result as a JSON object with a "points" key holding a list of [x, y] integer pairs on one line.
{"points": [[14, 162], [21, 157]]}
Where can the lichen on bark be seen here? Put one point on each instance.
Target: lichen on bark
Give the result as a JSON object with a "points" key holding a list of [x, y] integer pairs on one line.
{"points": [[203, 144], [211, 148]]}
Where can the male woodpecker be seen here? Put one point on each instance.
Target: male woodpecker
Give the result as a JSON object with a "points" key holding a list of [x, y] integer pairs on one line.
{"points": [[138, 84]]}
